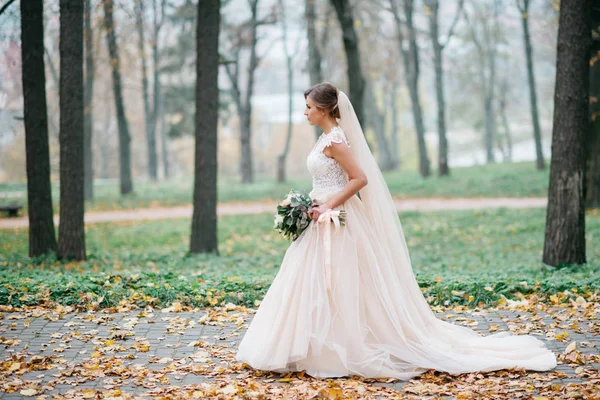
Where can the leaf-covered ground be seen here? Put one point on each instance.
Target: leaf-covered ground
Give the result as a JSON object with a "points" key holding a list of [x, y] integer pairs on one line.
{"points": [[183, 353], [464, 257], [494, 180], [133, 320]]}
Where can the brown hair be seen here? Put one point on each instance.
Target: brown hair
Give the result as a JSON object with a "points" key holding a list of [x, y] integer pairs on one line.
{"points": [[325, 96]]}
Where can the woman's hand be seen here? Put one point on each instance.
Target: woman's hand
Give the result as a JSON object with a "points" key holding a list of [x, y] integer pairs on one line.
{"points": [[315, 212]]}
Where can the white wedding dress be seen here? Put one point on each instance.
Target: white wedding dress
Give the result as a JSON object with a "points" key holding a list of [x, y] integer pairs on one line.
{"points": [[345, 302]]}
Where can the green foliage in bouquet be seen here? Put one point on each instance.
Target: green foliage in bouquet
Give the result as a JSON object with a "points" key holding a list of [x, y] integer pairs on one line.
{"points": [[292, 215]]}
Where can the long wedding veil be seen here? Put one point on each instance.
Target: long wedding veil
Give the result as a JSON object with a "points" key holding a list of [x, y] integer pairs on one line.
{"points": [[378, 203]]}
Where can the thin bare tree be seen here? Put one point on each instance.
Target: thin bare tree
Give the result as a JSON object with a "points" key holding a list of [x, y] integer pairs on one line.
{"points": [[88, 93], [356, 80], [126, 181], [314, 53], [433, 10], [523, 6], [289, 63], [486, 40], [410, 59]]}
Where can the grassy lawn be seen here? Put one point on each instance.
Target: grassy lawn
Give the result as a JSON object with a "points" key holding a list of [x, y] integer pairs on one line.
{"points": [[505, 180], [463, 257]]}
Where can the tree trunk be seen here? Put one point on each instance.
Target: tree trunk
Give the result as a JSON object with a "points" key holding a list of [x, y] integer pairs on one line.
{"points": [[71, 234], [410, 59], [505, 124], [565, 217], [443, 169], [163, 138], [88, 123], [204, 219], [157, 103], [247, 166], [150, 133], [377, 123], [42, 238], [490, 124], [395, 151], [592, 187], [537, 135], [314, 54], [124, 136], [281, 159], [355, 76]]}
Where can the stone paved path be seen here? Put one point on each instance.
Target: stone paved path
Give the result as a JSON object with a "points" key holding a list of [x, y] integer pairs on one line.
{"points": [[413, 204], [160, 341]]}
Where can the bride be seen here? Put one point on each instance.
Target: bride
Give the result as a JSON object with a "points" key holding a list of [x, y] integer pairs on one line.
{"points": [[345, 300]]}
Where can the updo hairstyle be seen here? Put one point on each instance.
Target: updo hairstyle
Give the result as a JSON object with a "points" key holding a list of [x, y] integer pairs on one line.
{"points": [[325, 96]]}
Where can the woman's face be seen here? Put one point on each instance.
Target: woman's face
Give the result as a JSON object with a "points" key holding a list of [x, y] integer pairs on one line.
{"points": [[314, 115]]}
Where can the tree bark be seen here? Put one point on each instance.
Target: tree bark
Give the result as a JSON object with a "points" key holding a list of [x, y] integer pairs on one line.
{"points": [[150, 133], [247, 165], [592, 187], [42, 237], [204, 219], [438, 62], [537, 135], [314, 54], [377, 123], [394, 121], [410, 59], [281, 159], [163, 138], [356, 79], [565, 218], [487, 51], [71, 234], [124, 136], [88, 123], [157, 103], [505, 124]]}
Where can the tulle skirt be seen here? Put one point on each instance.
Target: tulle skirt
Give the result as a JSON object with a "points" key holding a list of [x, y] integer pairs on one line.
{"points": [[348, 313]]}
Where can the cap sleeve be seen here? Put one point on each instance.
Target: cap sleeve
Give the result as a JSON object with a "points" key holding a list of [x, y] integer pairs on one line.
{"points": [[336, 135]]}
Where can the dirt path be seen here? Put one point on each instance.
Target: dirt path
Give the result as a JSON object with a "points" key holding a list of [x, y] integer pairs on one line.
{"points": [[414, 204]]}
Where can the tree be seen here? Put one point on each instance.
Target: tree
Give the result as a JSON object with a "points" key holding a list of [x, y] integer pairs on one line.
{"points": [[289, 61], [593, 141], [565, 216], [158, 103], [314, 54], [88, 123], [355, 76], [486, 44], [245, 36], [71, 234], [433, 7], [503, 90], [42, 237], [150, 133], [124, 136], [410, 59], [204, 219], [523, 6]]}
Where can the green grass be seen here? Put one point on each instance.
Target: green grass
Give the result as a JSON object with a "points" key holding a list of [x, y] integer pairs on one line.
{"points": [[455, 255], [496, 180]]}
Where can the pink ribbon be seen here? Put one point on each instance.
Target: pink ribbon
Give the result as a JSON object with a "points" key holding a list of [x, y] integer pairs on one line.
{"points": [[329, 215]]}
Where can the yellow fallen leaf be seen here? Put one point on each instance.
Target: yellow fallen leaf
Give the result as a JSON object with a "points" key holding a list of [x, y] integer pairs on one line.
{"points": [[28, 392]]}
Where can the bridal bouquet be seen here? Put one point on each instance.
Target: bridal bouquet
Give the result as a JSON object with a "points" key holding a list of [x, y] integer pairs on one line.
{"points": [[292, 215]]}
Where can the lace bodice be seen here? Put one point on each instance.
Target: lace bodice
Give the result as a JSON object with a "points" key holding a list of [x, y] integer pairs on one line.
{"points": [[328, 176]]}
